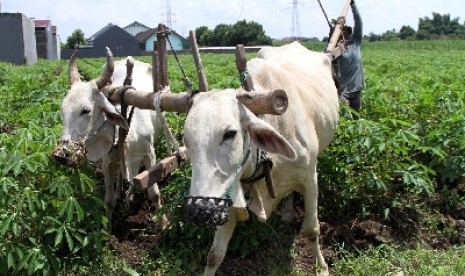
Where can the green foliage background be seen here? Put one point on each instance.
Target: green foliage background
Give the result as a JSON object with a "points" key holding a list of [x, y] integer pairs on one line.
{"points": [[407, 152]]}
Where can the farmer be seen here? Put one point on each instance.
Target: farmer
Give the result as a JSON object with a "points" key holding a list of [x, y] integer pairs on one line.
{"points": [[348, 67]]}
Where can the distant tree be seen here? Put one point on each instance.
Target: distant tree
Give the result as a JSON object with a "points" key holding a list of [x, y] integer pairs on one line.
{"points": [[374, 37], [75, 39], [406, 32], [422, 35], [199, 32], [221, 35], [242, 32], [206, 38], [390, 35], [248, 33], [439, 25]]}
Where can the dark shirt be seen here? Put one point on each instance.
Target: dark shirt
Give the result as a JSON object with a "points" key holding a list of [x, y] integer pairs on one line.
{"points": [[349, 64]]}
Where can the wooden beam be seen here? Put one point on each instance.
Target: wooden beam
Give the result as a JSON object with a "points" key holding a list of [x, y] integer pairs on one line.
{"points": [[203, 84], [241, 64], [175, 102], [155, 71], [274, 102], [162, 56], [160, 170], [333, 42], [129, 69]]}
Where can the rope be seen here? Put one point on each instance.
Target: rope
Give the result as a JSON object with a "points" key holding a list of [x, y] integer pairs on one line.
{"points": [[187, 81], [326, 16], [244, 76], [236, 176], [170, 139]]}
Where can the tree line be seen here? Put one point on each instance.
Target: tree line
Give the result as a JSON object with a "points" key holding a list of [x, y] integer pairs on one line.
{"points": [[437, 27], [242, 32], [250, 33]]}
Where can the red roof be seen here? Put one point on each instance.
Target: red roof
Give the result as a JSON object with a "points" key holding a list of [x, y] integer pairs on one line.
{"points": [[42, 23]]}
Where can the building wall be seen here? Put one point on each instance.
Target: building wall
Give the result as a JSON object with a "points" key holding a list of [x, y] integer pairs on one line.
{"points": [[18, 41], [175, 41], [29, 40], [120, 42], [45, 44], [55, 53], [41, 41]]}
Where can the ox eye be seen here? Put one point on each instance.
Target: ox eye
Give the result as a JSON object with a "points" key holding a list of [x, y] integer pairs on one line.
{"points": [[230, 134], [85, 110]]}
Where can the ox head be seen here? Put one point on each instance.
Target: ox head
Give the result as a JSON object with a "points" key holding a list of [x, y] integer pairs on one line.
{"points": [[86, 112], [219, 133]]}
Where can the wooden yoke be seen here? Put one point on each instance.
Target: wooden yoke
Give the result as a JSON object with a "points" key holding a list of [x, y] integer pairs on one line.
{"points": [[279, 104], [274, 102], [335, 49], [160, 170], [203, 84], [181, 102], [241, 64], [162, 61]]}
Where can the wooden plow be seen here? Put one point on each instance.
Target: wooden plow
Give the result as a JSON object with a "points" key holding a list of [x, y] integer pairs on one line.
{"points": [[334, 48], [271, 102]]}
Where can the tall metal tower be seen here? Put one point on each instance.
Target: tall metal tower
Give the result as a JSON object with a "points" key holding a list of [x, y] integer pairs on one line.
{"points": [[295, 28], [168, 14]]}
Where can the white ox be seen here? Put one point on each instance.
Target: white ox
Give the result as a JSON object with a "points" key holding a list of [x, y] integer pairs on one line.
{"points": [[91, 122], [222, 137]]}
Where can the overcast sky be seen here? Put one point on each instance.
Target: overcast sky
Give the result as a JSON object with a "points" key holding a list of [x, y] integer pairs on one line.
{"points": [[274, 15]]}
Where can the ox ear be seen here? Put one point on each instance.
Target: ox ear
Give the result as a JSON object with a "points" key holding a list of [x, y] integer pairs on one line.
{"points": [[110, 112], [266, 138]]}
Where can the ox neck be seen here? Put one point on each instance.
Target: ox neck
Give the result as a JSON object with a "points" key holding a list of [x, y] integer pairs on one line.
{"points": [[100, 139]]}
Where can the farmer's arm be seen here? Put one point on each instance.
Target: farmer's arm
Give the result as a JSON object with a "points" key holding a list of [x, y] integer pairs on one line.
{"points": [[358, 32]]}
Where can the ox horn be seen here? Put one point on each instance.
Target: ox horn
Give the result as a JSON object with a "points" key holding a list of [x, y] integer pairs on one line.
{"points": [[73, 73], [105, 77]]}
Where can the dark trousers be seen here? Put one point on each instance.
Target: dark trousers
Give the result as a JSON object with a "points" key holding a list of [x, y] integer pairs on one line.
{"points": [[353, 100]]}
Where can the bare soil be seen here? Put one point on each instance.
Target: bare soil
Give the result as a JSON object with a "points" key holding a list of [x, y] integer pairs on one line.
{"points": [[135, 234]]}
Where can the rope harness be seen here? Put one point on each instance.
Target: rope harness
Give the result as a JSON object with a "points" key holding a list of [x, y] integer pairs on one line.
{"points": [[187, 81], [262, 158], [171, 141]]}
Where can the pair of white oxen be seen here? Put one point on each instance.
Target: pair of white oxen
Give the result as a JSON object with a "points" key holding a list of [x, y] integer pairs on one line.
{"points": [[221, 136]]}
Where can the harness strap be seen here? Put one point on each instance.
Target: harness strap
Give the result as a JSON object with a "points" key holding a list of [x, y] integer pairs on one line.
{"points": [[262, 158]]}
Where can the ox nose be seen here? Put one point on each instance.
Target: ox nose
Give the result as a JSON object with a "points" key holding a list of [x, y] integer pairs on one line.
{"points": [[59, 154], [69, 153], [207, 211]]}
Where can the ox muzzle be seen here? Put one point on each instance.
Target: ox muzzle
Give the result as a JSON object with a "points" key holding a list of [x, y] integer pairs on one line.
{"points": [[207, 211], [70, 153]]}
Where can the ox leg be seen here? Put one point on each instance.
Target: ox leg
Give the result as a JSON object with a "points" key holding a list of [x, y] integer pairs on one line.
{"points": [[311, 225], [218, 250], [154, 192], [155, 197], [287, 210]]}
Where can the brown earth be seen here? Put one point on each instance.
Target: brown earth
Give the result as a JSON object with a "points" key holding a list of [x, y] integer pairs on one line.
{"points": [[135, 235]]}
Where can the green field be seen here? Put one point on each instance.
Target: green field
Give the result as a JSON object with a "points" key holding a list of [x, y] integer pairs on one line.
{"points": [[402, 165]]}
